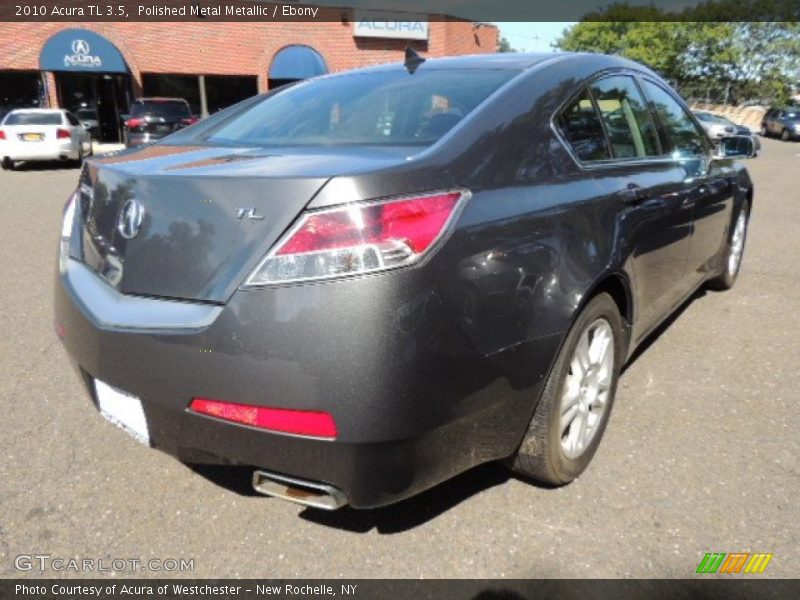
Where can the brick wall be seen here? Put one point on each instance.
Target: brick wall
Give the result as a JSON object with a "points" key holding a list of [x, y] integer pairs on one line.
{"points": [[241, 48]]}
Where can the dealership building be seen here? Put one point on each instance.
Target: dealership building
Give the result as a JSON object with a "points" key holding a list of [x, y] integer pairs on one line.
{"points": [[97, 69]]}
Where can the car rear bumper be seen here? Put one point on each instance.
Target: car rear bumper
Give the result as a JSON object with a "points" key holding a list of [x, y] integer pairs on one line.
{"points": [[138, 139], [413, 404], [47, 150]]}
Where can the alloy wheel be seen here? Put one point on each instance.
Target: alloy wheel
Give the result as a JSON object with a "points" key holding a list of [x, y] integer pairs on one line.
{"points": [[586, 388], [737, 244]]}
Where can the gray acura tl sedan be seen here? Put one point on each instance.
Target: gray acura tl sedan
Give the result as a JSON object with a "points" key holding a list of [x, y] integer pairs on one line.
{"points": [[366, 283]]}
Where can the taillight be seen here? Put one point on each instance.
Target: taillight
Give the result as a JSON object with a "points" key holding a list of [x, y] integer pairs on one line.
{"points": [[134, 123], [2, 134], [66, 231], [62, 134], [359, 238], [69, 216], [189, 121], [299, 422]]}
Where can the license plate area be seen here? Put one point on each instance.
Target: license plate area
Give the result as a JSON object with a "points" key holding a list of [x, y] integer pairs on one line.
{"points": [[31, 137], [123, 410]]}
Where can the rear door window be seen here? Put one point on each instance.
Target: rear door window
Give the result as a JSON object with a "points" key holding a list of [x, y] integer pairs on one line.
{"points": [[580, 125], [33, 118], [628, 123], [680, 135]]}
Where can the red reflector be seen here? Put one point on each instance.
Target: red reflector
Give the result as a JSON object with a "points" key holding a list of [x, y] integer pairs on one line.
{"points": [[416, 222], [300, 422], [62, 134], [2, 134]]}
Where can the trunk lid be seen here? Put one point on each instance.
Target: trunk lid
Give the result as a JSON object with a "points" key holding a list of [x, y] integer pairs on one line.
{"points": [[190, 222]]}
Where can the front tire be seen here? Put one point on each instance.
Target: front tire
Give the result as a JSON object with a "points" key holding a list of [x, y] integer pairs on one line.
{"points": [[576, 402], [734, 251], [785, 135], [764, 130]]}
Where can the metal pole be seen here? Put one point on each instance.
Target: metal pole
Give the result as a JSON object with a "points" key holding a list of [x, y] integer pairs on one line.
{"points": [[201, 83]]}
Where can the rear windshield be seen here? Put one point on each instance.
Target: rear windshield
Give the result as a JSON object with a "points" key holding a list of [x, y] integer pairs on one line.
{"points": [[379, 108], [33, 118], [160, 108]]}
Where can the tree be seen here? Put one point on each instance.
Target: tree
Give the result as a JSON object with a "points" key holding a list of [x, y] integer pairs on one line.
{"points": [[699, 50], [503, 45]]}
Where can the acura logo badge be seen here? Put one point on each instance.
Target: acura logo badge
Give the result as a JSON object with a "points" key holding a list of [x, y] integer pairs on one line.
{"points": [[130, 219], [80, 47]]}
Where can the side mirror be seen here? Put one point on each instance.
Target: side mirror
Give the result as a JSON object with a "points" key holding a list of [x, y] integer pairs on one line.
{"points": [[86, 125], [739, 146]]}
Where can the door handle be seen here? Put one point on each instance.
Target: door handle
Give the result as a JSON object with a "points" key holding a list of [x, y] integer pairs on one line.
{"points": [[634, 194]]}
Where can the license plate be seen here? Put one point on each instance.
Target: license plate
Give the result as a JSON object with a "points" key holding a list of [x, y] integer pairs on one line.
{"points": [[162, 127], [32, 137], [123, 410]]}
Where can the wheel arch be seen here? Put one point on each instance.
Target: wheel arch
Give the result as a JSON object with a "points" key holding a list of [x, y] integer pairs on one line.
{"points": [[617, 285]]}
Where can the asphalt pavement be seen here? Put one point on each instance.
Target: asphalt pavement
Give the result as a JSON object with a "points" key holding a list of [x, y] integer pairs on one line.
{"points": [[701, 453]]}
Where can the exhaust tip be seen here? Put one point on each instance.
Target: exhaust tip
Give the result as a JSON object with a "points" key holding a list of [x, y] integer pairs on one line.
{"points": [[307, 493]]}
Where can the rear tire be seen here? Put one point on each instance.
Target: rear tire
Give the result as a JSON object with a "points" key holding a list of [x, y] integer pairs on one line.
{"points": [[732, 261], [79, 160], [8, 164], [576, 402], [764, 132], [785, 135]]}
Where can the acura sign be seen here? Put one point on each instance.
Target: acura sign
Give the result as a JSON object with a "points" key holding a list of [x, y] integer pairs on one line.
{"points": [[81, 57], [375, 24]]}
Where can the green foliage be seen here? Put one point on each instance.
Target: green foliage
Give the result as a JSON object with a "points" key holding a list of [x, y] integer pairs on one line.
{"points": [[503, 45], [700, 50]]}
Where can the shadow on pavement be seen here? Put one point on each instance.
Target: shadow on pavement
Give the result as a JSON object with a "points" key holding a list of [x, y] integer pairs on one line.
{"points": [[659, 331], [234, 479], [47, 165], [416, 510]]}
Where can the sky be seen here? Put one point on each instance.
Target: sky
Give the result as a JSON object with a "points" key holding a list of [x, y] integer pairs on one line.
{"points": [[532, 37]]}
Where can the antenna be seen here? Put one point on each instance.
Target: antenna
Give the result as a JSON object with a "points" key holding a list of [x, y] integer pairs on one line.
{"points": [[413, 60]]}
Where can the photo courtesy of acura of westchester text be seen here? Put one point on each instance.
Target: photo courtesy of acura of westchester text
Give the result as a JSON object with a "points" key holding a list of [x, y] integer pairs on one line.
{"points": [[302, 297]]}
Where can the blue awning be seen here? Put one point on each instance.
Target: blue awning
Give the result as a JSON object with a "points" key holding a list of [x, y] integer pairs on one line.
{"points": [[81, 50], [297, 62]]}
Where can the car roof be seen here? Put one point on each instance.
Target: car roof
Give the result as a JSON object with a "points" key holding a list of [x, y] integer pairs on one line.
{"points": [[506, 60]]}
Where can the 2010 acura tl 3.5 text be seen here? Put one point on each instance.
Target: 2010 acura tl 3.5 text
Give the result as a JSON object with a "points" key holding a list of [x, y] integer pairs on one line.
{"points": [[363, 284]]}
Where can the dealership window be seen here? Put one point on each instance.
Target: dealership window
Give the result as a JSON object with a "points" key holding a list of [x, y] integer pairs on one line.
{"points": [[206, 94], [224, 90], [173, 86], [20, 89]]}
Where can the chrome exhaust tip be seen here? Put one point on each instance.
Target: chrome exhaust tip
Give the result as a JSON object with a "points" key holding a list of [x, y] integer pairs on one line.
{"points": [[307, 493]]}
